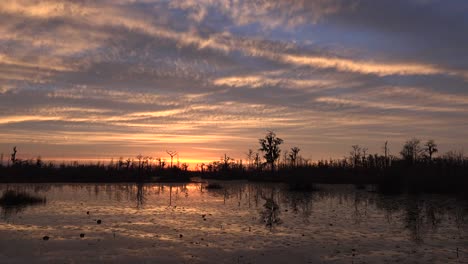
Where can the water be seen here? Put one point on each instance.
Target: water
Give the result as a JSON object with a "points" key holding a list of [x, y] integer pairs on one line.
{"points": [[241, 223]]}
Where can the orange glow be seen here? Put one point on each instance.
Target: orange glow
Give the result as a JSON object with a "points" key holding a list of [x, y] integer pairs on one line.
{"points": [[192, 162]]}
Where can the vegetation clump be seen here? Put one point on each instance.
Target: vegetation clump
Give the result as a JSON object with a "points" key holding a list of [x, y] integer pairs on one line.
{"points": [[12, 198], [214, 186], [416, 167]]}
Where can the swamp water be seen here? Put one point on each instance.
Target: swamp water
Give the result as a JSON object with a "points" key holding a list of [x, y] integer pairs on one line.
{"points": [[239, 223]]}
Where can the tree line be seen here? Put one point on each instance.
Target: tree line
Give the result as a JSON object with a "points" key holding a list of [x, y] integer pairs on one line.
{"points": [[417, 164]]}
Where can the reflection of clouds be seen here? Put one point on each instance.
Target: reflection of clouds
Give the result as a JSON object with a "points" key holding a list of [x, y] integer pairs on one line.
{"points": [[228, 70]]}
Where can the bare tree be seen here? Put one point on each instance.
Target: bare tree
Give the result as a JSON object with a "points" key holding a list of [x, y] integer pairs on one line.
{"points": [[120, 163], [250, 157], [257, 160], [172, 154], [161, 163], [185, 166], [270, 146], [285, 158], [39, 162], [430, 148], [226, 161], [412, 150], [386, 153], [364, 156], [13, 155], [355, 154], [140, 159]]}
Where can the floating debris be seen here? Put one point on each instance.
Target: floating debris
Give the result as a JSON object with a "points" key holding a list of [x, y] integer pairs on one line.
{"points": [[45, 238], [82, 235], [99, 221]]}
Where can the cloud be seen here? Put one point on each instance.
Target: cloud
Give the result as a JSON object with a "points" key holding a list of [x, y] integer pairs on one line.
{"points": [[214, 75], [270, 14]]}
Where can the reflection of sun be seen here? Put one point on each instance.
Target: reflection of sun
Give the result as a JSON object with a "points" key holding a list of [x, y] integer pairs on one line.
{"points": [[193, 189]]}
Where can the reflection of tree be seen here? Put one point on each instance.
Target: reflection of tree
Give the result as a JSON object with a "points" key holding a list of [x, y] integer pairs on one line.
{"points": [[419, 216], [271, 211], [359, 213], [140, 195], [433, 215], [460, 216], [300, 203], [16, 201], [414, 219]]}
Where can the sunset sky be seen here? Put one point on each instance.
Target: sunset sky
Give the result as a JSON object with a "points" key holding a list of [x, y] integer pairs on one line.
{"points": [[99, 79]]}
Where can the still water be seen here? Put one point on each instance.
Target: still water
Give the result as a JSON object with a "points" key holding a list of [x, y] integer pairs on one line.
{"points": [[239, 223]]}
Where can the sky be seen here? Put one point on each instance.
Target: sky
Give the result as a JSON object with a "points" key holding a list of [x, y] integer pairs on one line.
{"points": [[92, 80]]}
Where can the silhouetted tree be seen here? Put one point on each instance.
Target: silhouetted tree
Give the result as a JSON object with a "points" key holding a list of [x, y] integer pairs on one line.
{"points": [[161, 163], [386, 153], [39, 162], [120, 163], [412, 150], [430, 148], [270, 146], [355, 154], [454, 156], [226, 161], [257, 160], [364, 156], [293, 155], [285, 158], [13, 155], [250, 157], [172, 154], [140, 159], [184, 166]]}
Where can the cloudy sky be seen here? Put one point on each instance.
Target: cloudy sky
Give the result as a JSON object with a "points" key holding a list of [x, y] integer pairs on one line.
{"points": [[98, 79]]}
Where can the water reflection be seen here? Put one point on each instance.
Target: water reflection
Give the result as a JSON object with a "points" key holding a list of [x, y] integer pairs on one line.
{"points": [[140, 196], [275, 205], [271, 211], [14, 201]]}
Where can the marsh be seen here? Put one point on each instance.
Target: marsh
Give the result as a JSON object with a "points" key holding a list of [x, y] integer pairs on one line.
{"points": [[241, 222]]}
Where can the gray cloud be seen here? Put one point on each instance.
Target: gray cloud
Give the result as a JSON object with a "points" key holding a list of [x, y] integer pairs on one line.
{"points": [[111, 78]]}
